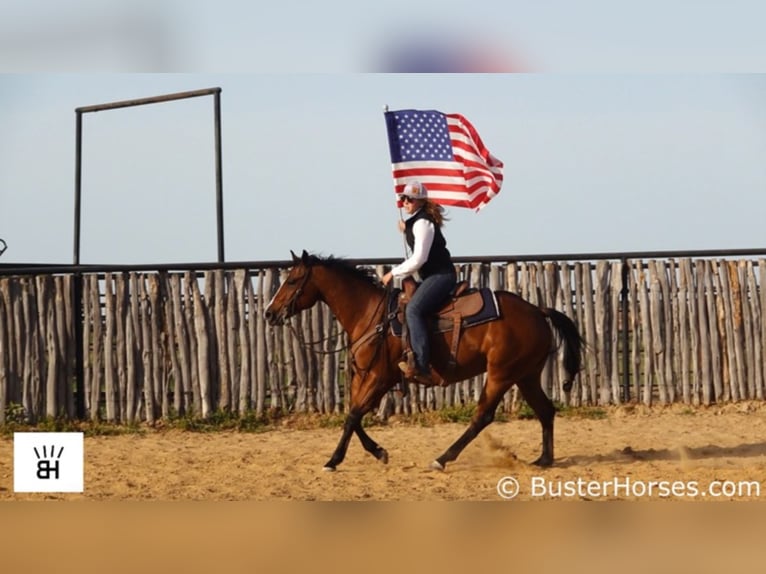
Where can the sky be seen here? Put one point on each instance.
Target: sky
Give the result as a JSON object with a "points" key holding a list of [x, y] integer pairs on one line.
{"points": [[620, 130], [340, 36]]}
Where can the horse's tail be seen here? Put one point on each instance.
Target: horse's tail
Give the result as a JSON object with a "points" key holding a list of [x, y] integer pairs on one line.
{"points": [[573, 343]]}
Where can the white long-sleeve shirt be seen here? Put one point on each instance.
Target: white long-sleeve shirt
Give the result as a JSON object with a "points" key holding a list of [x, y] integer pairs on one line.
{"points": [[423, 233]]}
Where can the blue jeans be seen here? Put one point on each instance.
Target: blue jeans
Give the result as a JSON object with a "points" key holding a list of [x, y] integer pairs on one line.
{"points": [[430, 295]]}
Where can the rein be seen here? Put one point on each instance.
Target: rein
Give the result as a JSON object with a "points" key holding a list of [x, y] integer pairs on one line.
{"points": [[309, 344], [372, 329], [378, 330]]}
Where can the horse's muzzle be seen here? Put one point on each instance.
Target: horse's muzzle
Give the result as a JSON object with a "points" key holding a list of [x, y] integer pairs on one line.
{"points": [[273, 318]]}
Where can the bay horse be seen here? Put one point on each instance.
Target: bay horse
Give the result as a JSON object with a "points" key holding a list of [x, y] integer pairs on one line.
{"points": [[512, 349]]}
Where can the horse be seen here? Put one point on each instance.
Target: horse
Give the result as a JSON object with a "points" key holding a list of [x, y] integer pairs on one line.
{"points": [[512, 349]]}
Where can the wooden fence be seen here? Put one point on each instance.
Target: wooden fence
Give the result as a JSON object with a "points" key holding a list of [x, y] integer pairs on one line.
{"points": [[162, 344]]}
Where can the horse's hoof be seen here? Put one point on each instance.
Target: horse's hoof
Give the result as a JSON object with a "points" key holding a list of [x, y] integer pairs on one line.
{"points": [[436, 465], [328, 468], [382, 456], [543, 462]]}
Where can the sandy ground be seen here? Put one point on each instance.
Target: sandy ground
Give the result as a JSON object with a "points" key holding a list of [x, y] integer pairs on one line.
{"points": [[632, 453]]}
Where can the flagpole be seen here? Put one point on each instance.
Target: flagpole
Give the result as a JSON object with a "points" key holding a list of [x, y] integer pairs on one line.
{"points": [[401, 217]]}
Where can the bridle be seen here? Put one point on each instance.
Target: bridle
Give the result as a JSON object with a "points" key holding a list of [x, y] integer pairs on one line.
{"points": [[290, 312], [290, 306]]}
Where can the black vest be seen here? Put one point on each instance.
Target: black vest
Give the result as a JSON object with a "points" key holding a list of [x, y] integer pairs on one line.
{"points": [[439, 259]]}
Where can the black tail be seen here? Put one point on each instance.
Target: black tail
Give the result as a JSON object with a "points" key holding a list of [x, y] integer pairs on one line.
{"points": [[573, 343]]}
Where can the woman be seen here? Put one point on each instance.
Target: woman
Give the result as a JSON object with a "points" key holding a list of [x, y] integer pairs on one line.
{"points": [[431, 260]]}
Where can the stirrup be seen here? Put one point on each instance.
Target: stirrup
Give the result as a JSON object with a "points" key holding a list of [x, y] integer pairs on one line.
{"points": [[432, 378], [408, 370]]}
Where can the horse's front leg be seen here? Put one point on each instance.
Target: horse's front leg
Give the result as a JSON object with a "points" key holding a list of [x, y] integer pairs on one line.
{"points": [[371, 396], [353, 424], [366, 392], [370, 445], [353, 421]]}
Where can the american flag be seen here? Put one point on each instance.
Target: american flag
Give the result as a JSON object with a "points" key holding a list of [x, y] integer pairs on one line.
{"points": [[444, 152]]}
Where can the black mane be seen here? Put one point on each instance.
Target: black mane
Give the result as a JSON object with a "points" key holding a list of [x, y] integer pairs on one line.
{"points": [[339, 264]]}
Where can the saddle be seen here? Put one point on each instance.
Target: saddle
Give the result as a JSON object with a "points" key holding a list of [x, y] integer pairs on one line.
{"points": [[466, 307]]}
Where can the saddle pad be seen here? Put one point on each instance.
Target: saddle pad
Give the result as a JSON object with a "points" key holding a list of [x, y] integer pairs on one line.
{"points": [[489, 312]]}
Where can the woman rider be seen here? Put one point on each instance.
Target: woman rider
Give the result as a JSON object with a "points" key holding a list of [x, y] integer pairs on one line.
{"points": [[432, 262]]}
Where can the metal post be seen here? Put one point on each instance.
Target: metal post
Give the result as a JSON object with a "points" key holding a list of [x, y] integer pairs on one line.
{"points": [[218, 174], [77, 185], [77, 302]]}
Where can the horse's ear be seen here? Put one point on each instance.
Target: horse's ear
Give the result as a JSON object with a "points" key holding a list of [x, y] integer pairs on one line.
{"points": [[295, 257], [305, 257]]}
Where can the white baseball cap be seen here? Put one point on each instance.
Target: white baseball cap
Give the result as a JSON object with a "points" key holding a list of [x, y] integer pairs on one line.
{"points": [[415, 190]]}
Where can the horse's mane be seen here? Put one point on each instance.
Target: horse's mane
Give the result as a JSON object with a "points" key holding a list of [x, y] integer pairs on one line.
{"points": [[345, 266]]}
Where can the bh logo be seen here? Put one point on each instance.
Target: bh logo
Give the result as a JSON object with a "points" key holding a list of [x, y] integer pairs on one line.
{"points": [[48, 462], [44, 467]]}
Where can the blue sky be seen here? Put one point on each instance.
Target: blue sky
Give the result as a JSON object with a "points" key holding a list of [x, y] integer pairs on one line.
{"points": [[340, 36], [594, 162]]}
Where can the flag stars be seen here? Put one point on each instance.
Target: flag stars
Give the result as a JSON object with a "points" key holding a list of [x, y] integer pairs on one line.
{"points": [[423, 136]]}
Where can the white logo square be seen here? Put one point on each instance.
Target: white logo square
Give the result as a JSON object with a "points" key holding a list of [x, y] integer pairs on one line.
{"points": [[48, 462]]}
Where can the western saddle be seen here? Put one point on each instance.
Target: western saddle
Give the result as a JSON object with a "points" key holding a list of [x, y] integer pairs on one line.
{"points": [[464, 302]]}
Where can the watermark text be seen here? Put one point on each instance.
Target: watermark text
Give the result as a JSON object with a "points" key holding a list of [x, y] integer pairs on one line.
{"points": [[626, 487]]}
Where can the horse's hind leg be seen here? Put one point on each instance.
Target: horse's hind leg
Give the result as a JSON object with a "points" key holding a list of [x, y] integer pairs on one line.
{"points": [[543, 407], [485, 414]]}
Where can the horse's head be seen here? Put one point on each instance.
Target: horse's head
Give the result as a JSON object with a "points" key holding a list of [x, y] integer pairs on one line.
{"points": [[296, 293]]}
